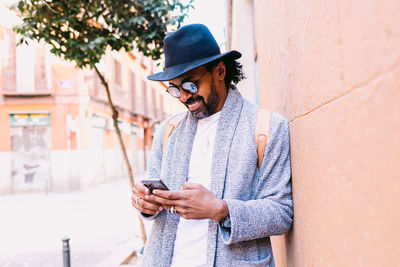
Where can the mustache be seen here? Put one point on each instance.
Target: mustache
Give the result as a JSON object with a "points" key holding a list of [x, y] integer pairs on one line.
{"points": [[191, 100]]}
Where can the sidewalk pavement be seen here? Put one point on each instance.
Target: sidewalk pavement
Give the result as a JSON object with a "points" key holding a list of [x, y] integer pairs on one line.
{"points": [[98, 221]]}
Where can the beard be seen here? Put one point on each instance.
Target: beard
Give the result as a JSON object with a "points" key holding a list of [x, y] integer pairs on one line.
{"points": [[206, 109]]}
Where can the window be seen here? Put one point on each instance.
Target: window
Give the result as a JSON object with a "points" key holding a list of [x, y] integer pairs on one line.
{"points": [[117, 72], [145, 93], [8, 64], [132, 85]]}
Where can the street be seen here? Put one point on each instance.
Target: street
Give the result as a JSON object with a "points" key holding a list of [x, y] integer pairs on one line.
{"points": [[99, 221]]}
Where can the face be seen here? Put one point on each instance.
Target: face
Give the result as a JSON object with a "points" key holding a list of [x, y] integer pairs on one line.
{"points": [[208, 99]]}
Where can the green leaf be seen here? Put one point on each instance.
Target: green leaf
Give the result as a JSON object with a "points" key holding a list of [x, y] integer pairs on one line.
{"points": [[81, 30]]}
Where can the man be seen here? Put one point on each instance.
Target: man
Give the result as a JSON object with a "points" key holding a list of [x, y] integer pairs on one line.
{"points": [[221, 208]]}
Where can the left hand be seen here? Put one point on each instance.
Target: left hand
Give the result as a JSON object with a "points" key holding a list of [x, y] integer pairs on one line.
{"points": [[193, 201]]}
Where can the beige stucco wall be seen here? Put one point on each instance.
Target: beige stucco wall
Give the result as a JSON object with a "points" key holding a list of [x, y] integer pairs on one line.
{"points": [[333, 69]]}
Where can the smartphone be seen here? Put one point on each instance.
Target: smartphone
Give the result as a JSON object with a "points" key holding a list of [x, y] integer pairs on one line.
{"points": [[154, 184]]}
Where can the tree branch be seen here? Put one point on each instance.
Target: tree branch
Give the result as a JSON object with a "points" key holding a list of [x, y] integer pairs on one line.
{"points": [[49, 7], [118, 132]]}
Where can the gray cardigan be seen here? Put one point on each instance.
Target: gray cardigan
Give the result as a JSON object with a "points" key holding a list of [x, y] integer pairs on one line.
{"points": [[259, 201]]}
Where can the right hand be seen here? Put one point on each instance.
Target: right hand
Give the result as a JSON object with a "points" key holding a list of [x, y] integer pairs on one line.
{"points": [[139, 191]]}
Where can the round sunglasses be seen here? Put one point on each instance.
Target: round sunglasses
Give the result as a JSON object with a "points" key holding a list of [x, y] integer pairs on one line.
{"points": [[188, 87]]}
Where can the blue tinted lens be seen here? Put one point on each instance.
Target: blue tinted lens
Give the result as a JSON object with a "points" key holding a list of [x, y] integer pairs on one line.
{"points": [[174, 91], [190, 86]]}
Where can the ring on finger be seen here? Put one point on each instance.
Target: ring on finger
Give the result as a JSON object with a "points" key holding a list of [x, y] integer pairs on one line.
{"points": [[172, 210], [137, 201]]}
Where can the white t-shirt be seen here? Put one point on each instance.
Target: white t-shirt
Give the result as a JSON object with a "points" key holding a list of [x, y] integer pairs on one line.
{"points": [[190, 247]]}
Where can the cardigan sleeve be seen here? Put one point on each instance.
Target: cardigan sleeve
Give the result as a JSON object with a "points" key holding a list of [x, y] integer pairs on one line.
{"points": [[271, 212]]}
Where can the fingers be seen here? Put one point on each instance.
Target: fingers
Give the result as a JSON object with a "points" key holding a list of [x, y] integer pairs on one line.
{"points": [[141, 189], [141, 203], [145, 206], [169, 198], [162, 201], [190, 185], [171, 195], [138, 192]]}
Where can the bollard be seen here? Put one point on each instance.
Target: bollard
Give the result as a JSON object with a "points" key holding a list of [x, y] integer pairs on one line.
{"points": [[66, 257]]}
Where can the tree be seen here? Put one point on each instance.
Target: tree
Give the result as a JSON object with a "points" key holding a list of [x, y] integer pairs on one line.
{"points": [[81, 30]]}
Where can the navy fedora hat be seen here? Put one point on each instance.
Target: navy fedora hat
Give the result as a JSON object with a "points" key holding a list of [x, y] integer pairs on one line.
{"points": [[188, 48]]}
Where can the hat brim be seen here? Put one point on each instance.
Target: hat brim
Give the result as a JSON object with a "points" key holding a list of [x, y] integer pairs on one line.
{"points": [[172, 72]]}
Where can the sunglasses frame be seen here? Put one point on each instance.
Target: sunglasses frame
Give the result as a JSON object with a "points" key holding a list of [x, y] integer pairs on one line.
{"points": [[191, 87]]}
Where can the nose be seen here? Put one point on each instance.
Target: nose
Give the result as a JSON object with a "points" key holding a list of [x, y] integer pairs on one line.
{"points": [[184, 95]]}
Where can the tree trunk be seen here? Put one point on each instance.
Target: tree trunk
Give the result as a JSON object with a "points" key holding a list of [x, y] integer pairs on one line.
{"points": [[121, 143]]}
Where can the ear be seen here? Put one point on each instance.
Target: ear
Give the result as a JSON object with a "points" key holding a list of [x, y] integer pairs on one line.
{"points": [[221, 70]]}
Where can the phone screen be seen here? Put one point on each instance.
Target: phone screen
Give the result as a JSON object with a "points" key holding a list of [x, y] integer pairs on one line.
{"points": [[152, 184]]}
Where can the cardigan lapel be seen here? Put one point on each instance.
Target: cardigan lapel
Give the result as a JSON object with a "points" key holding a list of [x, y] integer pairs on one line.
{"points": [[228, 121], [182, 142], [181, 148], [227, 124], [179, 158], [183, 138]]}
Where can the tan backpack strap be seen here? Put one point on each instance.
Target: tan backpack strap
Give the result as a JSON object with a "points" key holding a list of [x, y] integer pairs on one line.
{"points": [[171, 125], [262, 133], [278, 243]]}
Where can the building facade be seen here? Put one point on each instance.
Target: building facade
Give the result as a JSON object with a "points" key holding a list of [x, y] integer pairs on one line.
{"points": [[57, 132], [332, 68]]}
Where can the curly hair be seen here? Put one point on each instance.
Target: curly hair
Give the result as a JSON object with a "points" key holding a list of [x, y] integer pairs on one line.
{"points": [[234, 70]]}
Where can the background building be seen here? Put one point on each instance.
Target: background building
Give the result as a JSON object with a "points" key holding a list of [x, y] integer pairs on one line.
{"points": [[332, 68], [57, 131]]}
